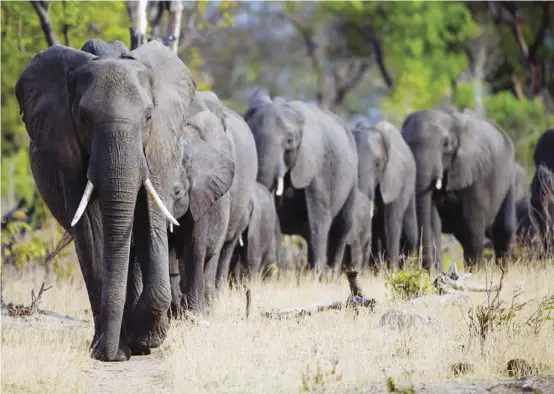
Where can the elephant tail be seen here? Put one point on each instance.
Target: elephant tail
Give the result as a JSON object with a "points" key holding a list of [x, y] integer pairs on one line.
{"points": [[66, 240]]}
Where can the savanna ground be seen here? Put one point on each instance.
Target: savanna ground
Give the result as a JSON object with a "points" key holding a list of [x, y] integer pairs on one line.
{"points": [[332, 351]]}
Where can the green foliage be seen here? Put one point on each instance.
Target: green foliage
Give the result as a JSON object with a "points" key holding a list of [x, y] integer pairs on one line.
{"points": [[20, 250], [408, 284], [422, 44]]}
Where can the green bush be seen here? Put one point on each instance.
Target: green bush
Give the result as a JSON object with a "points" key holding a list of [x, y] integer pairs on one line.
{"points": [[408, 284]]}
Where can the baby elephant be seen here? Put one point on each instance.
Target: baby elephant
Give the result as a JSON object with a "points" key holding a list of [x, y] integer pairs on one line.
{"points": [[358, 249], [262, 238]]}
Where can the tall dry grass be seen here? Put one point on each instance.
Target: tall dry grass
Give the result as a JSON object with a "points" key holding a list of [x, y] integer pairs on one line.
{"points": [[331, 351]]}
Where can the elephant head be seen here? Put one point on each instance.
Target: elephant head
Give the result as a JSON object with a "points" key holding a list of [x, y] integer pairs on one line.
{"points": [[112, 124], [207, 168], [283, 134], [390, 158]]}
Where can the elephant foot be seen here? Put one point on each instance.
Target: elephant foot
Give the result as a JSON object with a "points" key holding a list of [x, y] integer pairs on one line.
{"points": [[99, 352], [159, 332], [140, 347], [153, 338]]}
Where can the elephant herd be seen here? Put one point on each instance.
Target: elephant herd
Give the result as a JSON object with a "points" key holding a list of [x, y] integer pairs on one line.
{"points": [[168, 193]]}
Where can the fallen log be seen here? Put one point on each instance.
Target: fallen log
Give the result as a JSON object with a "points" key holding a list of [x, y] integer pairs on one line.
{"points": [[354, 300], [451, 283]]}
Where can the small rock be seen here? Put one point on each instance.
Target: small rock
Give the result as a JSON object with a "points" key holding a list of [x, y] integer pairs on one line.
{"points": [[461, 368], [401, 319], [518, 367]]}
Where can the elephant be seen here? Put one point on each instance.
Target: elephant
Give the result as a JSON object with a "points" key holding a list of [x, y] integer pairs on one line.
{"points": [[522, 183], [465, 178], [202, 205], [307, 157], [104, 144], [387, 176], [542, 187], [358, 248], [243, 147], [262, 237]]}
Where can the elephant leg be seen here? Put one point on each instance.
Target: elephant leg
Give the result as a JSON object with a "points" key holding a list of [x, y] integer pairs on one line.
{"points": [[150, 320], [253, 255], [340, 231], [409, 229], [222, 273], [392, 232], [194, 267], [376, 239], [356, 255], [471, 235], [503, 228], [175, 281], [134, 290], [436, 228], [88, 246]]}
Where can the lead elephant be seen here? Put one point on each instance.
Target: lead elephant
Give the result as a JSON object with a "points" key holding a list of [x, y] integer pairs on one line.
{"points": [[307, 157], [542, 188], [464, 182], [387, 175], [104, 137]]}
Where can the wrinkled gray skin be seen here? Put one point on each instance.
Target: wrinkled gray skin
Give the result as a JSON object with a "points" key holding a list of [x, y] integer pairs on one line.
{"points": [[526, 227], [246, 168], [201, 203], [542, 187], [387, 175], [314, 154], [522, 182], [464, 184], [358, 248], [116, 123], [262, 237]]}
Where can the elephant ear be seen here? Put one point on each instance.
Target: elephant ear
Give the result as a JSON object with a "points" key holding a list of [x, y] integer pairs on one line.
{"points": [[305, 163], [473, 159], [398, 163], [43, 97], [210, 171], [213, 104], [173, 89]]}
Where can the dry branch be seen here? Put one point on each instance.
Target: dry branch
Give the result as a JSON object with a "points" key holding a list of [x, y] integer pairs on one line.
{"points": [[355, 299], [21, 310], [248, 303]]}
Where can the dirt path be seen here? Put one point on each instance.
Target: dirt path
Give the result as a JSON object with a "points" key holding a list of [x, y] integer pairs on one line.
{"points": [[138, 375]]}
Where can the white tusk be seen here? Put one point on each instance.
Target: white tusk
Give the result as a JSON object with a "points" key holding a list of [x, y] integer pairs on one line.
{"points": [[371, 209], [280, 186], [83, 204], [158, 201], [170, 227], [240, 241], [438, 185]]}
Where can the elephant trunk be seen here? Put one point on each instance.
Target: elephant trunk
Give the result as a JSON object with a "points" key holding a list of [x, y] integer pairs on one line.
{"points": [[117, 170], [424, 207]]}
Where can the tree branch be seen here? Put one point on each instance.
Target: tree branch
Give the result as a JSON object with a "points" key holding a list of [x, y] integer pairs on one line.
{"points": [[41, 8], [378, 51], [65, 26], [311, 51]]}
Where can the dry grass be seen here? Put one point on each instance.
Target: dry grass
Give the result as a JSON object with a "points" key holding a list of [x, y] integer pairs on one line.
{"points": [[332, 351]]}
